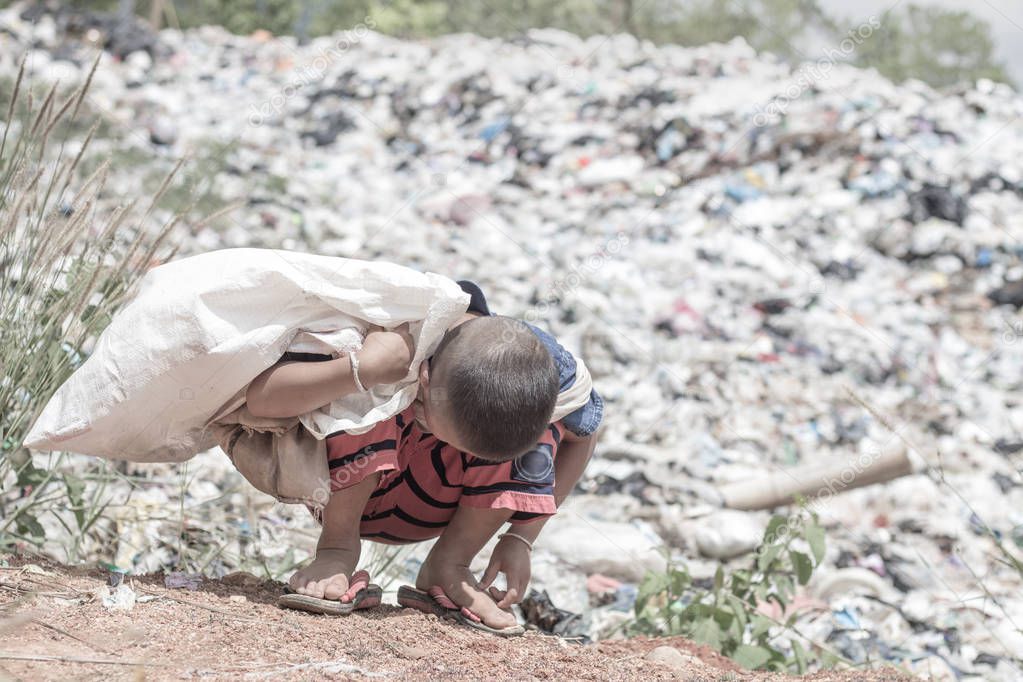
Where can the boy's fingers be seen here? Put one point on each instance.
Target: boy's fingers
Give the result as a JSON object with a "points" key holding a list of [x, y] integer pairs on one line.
{"points": [[510, 597], [496, 594], [490, 574]]}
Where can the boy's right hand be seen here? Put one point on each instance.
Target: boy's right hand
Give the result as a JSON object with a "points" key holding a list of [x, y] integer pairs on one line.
{"points": [[385, 355]]}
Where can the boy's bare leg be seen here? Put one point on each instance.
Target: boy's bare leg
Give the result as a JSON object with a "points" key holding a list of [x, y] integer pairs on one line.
{"points": [[337, 552], [448, 563]]}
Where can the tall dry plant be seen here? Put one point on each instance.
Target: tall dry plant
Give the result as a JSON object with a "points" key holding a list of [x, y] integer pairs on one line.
{"points": [[66, 265]]}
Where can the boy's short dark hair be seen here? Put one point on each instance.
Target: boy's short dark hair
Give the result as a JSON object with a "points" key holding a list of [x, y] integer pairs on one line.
{"points": [[500, 384]]}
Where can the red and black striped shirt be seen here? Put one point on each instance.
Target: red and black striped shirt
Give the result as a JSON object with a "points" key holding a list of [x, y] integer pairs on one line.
{"points": [[424, 480]]}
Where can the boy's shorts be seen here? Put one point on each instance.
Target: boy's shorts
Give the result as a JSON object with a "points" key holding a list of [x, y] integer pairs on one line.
{"points": [[424, 480]]}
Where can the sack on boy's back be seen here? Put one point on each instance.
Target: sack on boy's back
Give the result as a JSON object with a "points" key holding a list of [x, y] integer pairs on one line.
{"points": [[181, 353]]}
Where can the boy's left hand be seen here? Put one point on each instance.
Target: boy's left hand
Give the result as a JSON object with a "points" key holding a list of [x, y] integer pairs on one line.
{"points": [[386, 355], [510, 557]]}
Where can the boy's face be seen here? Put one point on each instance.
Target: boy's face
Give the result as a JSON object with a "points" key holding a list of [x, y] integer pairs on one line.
{"points": [[430, 408]]}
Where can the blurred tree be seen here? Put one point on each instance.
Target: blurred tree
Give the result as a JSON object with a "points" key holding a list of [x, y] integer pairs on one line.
{"points": [[240, 16], [125, 8], [777, 26], [410, 18], [694, 23], [938, 46]]}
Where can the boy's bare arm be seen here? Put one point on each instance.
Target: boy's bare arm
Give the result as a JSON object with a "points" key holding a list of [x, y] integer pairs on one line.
{"points": [[511, 556], [469, 530], [289, 389], [573, 456]]}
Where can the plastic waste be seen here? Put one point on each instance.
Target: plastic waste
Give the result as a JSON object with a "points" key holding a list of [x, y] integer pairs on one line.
{"points": [[178, 580], [751, 293], [541, 612]]}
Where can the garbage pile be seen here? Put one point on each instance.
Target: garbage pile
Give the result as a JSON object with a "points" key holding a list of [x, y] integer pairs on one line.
{"points": [[751, 292]]}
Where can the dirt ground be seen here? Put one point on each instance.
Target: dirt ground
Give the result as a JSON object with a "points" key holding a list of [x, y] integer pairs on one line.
{"points": [[53, 626]]}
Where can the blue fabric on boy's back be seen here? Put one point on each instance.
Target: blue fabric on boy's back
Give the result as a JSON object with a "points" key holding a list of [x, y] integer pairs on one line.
{"points": [[477, 301], [586, 419]]}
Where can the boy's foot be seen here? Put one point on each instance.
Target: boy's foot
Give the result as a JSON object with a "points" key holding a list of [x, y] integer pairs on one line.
{"points": [[435, 601], [462, 588], [326, 576], [361, 595]]}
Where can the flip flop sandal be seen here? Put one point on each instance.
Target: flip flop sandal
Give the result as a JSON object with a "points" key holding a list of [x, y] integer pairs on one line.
{"points": [[436, 602], [361, 595]]}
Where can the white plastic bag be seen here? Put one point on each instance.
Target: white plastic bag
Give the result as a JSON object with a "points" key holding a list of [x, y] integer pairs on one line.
{"points": [[199, 329]]}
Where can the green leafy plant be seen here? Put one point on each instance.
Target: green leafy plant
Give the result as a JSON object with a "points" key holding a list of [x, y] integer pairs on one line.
{"points": [[731, 615]]}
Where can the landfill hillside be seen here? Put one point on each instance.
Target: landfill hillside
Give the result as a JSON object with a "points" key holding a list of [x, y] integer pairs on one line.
{"points": [[762, 272]]}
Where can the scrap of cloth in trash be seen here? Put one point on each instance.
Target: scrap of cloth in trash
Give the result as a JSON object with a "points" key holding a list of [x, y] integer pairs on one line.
{"points": [[167, 378]]}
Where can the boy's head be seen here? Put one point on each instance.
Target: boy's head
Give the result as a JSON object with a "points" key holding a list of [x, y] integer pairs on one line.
{"points": [[489, 389]]}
